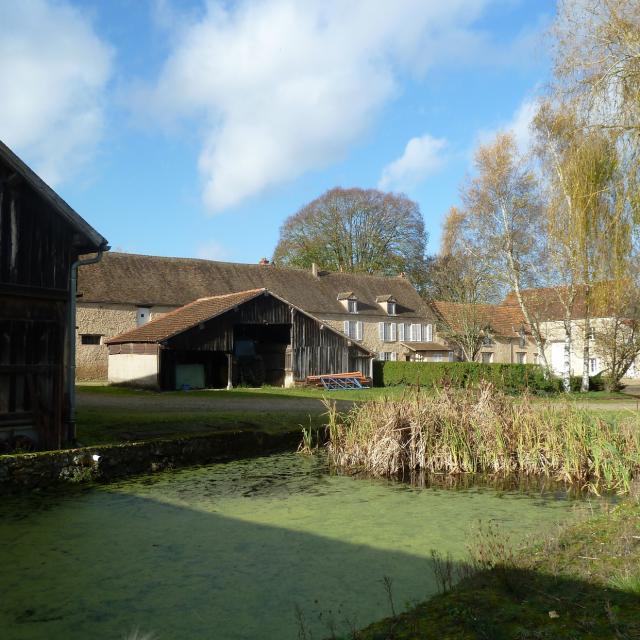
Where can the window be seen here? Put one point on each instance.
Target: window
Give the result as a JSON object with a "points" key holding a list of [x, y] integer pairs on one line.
{"points": [[391, 308], [353, 329], [593, 365], [387, 355], [415, 334], [387, 331], [487, 341], [592, 333], [521, 358], [90, 338], [143, 315], [487, 358], [427, 333], [352, 305]]}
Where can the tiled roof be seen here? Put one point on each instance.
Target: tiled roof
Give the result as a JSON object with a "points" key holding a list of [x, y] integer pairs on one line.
{"points": [[184, 318], [426, 346], [546, 303], [202, 310], [151, 280], [504, 320]]}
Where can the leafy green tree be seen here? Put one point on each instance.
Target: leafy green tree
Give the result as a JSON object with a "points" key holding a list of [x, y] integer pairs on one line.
{"points": [[357, 231]]}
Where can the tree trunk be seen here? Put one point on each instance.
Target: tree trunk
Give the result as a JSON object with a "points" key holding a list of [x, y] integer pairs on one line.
{"points": [[586, 343], [585, 355], [566, 370]]}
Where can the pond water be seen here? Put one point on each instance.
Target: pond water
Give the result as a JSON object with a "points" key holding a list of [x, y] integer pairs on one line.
{"points": [[235, 550]]}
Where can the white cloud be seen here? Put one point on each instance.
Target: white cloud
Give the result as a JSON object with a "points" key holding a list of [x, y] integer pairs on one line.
{"points": [[519, 125], [281, 87], [422, 156], [53, 73], [212, 251]]}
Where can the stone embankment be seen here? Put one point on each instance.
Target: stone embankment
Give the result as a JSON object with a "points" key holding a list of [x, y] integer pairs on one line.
{"points": [[41, 470]]}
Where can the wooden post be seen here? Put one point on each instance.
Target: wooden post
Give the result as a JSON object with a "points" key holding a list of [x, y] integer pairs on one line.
{"points": [[229, 371]]}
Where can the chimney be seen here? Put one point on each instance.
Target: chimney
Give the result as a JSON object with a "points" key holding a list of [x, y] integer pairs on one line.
{"points": [[264, 262], [314, 269]]}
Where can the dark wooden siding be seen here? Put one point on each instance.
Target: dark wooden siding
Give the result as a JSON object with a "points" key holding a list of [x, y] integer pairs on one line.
{"points": [[36, 251], [315, 349]]}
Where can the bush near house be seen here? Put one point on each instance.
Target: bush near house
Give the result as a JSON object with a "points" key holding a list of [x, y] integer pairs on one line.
{"points": [[513, 378]]}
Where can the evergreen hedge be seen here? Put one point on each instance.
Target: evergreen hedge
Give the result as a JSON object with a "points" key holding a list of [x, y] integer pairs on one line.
{"points": [[513, 378]]}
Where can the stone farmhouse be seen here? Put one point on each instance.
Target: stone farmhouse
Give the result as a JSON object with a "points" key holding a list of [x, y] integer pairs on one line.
{"points": [[507, 339], [384, 315]]}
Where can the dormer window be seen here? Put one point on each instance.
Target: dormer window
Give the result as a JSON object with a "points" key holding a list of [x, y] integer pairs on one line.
{"points": [[349, 301], [388, 304]]}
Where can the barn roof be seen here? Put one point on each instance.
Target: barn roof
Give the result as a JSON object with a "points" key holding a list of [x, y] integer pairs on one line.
{"points": [[504, 320], [152, 280], [90, 239], [198, 311]]}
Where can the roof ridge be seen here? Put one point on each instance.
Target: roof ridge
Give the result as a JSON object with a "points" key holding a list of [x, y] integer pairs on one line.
{"points": [[256, 265]]}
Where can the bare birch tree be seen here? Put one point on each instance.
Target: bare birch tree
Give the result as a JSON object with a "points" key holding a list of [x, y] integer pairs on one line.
{"points": [[503, 219]]}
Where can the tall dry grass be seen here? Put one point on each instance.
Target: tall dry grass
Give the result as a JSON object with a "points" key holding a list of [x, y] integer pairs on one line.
{"points": [[482, 430]]}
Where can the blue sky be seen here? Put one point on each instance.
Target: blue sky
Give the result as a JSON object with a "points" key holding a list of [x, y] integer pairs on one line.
{"points": [[195, 128]]}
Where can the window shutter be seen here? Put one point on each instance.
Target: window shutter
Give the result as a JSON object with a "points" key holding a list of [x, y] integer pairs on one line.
{"points": [[401, 332], [346, 327], [394, 332], [394, 356], [359, 330], [381, 331]]}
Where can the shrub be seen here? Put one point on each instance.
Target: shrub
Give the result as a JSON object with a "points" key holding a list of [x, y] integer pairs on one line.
{"points": [[509, 377], [512, 378]]}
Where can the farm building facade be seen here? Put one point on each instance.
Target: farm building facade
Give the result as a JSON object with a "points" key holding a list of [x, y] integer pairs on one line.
{"points": [[41, 239], [252, 337], [125, 291]]}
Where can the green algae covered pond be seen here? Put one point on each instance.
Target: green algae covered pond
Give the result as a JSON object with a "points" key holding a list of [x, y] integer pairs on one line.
{"points": [[239, 550]]}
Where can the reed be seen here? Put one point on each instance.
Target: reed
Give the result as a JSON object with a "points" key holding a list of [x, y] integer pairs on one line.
{"points": [[482, 430]]}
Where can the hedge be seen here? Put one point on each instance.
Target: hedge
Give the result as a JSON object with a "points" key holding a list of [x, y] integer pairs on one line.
{"points": [[509, 377]]}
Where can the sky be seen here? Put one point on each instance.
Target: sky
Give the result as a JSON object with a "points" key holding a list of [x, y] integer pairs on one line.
{"points": [[195, 128]]}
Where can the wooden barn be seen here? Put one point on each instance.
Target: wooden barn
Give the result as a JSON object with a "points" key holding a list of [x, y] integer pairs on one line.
{"points": [[252, 337], [41, 239]]}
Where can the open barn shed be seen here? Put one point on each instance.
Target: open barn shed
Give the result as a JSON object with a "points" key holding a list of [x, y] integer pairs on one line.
{"points": [[41, 240], [252, 337]]}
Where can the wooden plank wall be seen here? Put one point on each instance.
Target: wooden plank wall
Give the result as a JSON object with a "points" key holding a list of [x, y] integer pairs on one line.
{"points": [[35, 256]]}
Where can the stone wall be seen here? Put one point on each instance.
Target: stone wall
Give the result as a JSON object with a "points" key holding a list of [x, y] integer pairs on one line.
{"points": [[371, 333], [103, 463], [106, 320]]}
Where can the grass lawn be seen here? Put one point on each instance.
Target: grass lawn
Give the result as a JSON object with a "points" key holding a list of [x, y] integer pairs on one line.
{"points": [[116, 424], [304, 392], [103, 426], [582, 583]]}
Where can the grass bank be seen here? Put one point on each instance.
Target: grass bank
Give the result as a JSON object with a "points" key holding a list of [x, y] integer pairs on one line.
{"points": [[583, 582], [482, 430]]}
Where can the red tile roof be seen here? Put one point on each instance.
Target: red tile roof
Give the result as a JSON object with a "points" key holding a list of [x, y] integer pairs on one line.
{"points": [[185, 317], [504, 320]]}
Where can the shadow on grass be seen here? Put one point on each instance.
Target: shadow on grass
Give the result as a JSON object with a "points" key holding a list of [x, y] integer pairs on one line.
{"points": [[507, 604]]}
